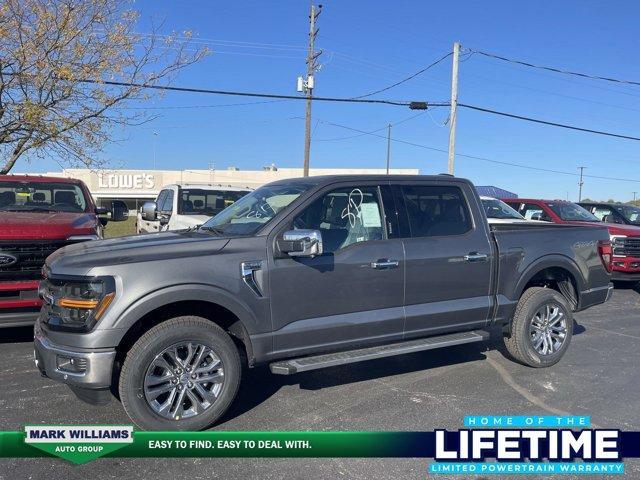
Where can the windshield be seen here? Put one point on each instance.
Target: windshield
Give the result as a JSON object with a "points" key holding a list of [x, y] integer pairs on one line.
{"points": [[631, 214], [198, 201], [571, 212], [19, 196], [498, 209], [252, 211]]}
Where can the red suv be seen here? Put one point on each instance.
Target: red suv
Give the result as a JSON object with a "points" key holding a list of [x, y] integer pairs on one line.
{"points": [[625, 239], [38, 215]]}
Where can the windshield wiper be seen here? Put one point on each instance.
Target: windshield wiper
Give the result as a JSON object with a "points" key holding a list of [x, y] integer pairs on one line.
{"points": [[216, 230]]}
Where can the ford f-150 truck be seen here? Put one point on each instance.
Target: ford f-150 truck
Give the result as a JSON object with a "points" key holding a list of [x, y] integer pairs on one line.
{"points": [[181, 206], [304, 274], [625, 239], [37, 216]]}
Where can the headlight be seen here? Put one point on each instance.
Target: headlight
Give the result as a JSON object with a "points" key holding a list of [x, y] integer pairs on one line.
{"points": [[617, 243], [76, 305]]}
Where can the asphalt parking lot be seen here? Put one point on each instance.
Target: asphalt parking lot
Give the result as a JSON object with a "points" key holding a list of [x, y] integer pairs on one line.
{"points": [[599, 376]]}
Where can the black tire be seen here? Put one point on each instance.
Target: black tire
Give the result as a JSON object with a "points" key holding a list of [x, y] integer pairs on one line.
{"points": [[155, 341], [519, 342]]}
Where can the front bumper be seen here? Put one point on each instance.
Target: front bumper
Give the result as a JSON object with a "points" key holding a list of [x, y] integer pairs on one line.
{"points": [[90, 369], [620, 276], [18, 317]]}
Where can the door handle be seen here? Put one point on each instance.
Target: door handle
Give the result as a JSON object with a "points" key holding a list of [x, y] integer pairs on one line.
{"points": [[384, 264], [476, 257]]}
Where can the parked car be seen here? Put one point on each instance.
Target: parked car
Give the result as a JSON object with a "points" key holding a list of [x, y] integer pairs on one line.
{"points": [[303, 274], [38, 215], [181, 206], [614, 212], [499, 212], [625, 238]]}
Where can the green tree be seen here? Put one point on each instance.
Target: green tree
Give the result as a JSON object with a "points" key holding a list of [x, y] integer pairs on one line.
{"points": [[55, 57]]}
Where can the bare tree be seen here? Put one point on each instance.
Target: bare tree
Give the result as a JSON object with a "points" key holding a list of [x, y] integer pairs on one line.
{"points": [[55, 57]]}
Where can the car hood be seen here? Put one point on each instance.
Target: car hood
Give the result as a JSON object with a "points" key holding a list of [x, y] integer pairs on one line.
{"points": [[620, 229], [614, 228], [45, 225], [134, 249]]}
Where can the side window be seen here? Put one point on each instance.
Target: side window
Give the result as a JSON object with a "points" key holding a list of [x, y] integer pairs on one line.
{"points": [[160, 200], [167, 205], [436, 211], [531, 211], [344, 216], [601, 212]]}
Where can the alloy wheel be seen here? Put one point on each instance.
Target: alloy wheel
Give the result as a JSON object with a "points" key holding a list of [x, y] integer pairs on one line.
{"points": [[183, 380], [548, 329]]}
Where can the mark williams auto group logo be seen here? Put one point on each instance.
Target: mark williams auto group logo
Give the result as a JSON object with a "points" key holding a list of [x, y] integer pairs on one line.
{"points": [[527, 445], [78, 444]]}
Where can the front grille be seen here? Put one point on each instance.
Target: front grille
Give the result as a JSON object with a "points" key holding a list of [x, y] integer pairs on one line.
{"points": [[631, 247], [30, 256]]}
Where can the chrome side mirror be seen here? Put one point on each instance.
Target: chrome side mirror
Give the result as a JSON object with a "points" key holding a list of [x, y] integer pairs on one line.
{"points": [[150, 211], [301, 243]]}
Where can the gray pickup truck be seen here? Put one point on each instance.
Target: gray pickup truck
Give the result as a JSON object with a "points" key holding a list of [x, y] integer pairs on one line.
{"points": [[304, 274]]}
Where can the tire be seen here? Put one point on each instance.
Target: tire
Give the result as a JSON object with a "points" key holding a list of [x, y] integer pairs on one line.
{"points": [[203, 402], [525, 339]]}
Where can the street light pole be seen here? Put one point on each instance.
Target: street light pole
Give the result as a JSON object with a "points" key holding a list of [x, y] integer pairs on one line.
{"points": [[155, 136]]}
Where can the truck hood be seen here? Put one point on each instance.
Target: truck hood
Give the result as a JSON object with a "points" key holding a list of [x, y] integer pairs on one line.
{"points": [[614, 228], [45, 225], [135, 249], [618, 229]]}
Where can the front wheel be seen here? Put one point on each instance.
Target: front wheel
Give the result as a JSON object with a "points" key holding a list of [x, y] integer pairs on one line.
{"points": [[541, 328], [182, 374]]}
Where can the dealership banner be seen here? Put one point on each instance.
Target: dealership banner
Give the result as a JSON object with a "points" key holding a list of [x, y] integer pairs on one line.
{"points": [[486, 445]]}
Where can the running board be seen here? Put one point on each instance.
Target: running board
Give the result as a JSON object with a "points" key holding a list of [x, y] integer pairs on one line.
{"points": [[303, 364]]}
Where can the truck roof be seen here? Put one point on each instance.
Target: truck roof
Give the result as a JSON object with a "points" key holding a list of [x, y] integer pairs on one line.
{"points": [[38, 179], [212, 186], [535, 200], [328, 179]]}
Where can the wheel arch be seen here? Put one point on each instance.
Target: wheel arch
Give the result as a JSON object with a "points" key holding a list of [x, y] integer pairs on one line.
{"points": [[205, 301], [554, 271]]}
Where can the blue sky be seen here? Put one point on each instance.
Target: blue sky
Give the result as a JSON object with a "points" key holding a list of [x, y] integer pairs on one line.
{"points": [[260, 46]]}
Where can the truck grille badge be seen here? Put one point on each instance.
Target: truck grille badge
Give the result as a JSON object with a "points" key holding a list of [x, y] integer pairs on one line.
{"points": [[248, 271]]}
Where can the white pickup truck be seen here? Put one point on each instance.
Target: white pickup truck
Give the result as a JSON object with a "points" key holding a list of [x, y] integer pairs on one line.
{"points": [[182, 205]]}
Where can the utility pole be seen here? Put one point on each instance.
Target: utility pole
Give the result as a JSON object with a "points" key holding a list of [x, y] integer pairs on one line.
{"points": [[634, 196], [389, 147], [580, 183], [454, 106], [309, 84]]}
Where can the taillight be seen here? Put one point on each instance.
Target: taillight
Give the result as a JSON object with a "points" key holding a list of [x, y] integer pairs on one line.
{"points": [[604, 250]]}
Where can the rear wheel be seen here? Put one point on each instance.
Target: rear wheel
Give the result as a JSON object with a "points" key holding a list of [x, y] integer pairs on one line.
{"points": [[181, 375], [541, 328]]}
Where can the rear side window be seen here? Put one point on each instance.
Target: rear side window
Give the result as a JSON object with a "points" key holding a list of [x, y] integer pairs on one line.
{"points": [[436, 210], [531, 211]]}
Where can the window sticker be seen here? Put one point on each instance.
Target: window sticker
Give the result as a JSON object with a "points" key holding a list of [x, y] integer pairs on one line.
{"points": [[370, 215]]}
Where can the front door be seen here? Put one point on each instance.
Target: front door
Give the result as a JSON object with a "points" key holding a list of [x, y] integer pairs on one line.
{"points": [[353, 292], [448, 259]]}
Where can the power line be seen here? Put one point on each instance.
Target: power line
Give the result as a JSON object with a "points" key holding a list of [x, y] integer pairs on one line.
{"points": [[476, 157], [556, 70], [399, 122], [547, 122], [401, 103], [406, 79]]}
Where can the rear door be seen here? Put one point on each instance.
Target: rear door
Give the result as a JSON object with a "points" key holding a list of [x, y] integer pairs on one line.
{"points": [[448, 258]]}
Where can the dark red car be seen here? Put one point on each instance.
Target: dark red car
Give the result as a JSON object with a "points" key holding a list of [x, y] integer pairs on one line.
{"points": [[625, 239], [38, 215]]}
